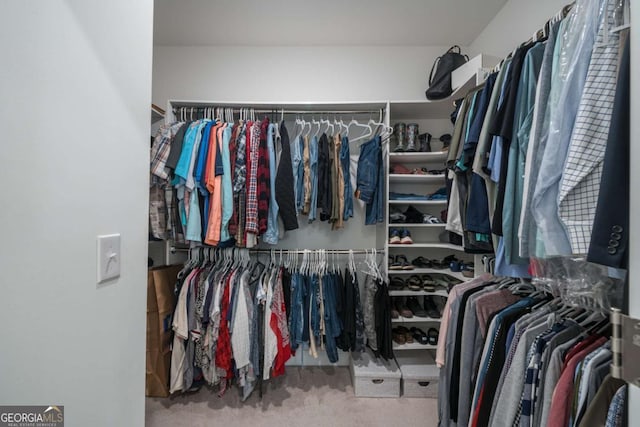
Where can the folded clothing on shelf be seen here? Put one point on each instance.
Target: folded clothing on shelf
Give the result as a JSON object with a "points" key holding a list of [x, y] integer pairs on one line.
{"points": [[441, 194]]}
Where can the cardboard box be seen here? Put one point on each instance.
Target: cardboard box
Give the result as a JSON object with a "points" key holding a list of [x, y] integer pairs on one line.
{"points": [[161, 302]]}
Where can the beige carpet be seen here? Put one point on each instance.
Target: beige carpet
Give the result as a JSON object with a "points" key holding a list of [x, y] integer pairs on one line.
{"points": [[305, 397]]}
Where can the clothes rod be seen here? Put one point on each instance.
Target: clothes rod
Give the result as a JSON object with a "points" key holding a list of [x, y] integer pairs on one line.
{"points": [[200, 109], [288, 251]]}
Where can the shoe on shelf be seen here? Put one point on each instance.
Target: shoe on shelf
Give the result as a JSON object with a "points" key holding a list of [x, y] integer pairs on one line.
{"points": [[432, 334], [468, 270], [395, 314], [400, 131], [404, 310], [414, 283], [415, 307], [428, 284], [397, 284], [431, 308], [405, 237], [401, 263], [421, 262], [430, 219], [408, 336], [440, 302], [412, 137], [398, 336], [419, 335], [396, 216], [394, 236], [425, 142]]}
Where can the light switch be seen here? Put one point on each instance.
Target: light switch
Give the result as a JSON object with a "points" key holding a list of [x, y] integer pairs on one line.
{"points": [[108, 257]]}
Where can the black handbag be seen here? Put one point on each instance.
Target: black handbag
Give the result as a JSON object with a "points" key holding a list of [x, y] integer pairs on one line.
{"points": [[440, 77]]}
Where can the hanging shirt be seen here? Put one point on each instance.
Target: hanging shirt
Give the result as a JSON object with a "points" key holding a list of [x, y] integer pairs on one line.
{"points": [[577, 33], [227, 185], [253, 146], [215, 211], [580, 183], [523, 120]]}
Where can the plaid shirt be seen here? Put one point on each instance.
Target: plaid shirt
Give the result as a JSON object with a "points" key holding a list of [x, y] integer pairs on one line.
{"points": [[240, 170], [252, 188], [264, 179], [157, 213], [158, 208], [525, 408], [223, 351], [161, 148], [174, 226]]}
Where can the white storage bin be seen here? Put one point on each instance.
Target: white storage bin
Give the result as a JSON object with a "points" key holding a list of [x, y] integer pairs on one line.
{"points": [[420, 376], [373, 377]]}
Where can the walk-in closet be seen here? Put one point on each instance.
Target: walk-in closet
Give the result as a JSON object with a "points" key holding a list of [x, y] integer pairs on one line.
{"points": [[415, 213]]}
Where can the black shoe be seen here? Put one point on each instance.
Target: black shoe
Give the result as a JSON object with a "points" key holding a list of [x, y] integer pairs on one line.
{"points": [[414, 306], [431, 308]]}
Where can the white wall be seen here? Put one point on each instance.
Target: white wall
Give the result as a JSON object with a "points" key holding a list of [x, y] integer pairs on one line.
{"points": [[516, 22], [75, 87], [291, 74]]}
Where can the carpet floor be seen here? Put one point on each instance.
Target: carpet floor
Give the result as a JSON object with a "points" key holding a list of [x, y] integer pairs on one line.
{"points": [[305, 397]]}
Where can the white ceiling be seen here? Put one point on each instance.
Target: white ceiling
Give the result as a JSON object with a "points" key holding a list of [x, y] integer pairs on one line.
{"points": [[321, 23]]}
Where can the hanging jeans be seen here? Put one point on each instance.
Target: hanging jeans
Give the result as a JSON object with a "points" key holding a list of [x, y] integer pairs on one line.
{"points": [[345, 160], [298, 172], [370, 289], [313, 166], [296, 317], [314, 312], [271, 236], [332, 323]]}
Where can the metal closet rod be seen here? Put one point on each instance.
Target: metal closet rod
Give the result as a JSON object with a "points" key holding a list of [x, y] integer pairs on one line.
{"points": [[287, 251], [198, 109]]}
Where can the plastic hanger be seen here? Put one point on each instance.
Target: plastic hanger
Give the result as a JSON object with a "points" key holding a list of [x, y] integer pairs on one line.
{"points": [[364, 135], [315, 122]]}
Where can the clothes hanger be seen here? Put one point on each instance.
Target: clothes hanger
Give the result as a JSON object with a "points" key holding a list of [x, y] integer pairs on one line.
{"points": [[306, 132], [368, 132], [315, 122]]}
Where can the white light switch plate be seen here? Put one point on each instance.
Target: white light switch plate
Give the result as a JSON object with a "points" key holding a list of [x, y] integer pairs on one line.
{"points": [[108, 257]]}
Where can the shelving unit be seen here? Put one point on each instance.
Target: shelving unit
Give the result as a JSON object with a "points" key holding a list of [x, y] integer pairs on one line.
{"points": [[432, 117]]}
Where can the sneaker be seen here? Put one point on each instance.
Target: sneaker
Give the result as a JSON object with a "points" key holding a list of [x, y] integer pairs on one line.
{"points": [[396, 216], [430, 219], [394, 236], [405, 237]]}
